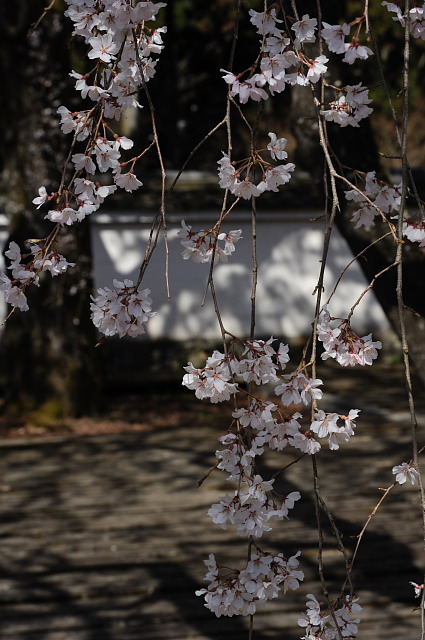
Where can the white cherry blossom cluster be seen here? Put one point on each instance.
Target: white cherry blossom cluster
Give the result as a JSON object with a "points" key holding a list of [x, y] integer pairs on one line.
{"points": [[320, 624], [385, 198], [283, 62], [414, 230], [254, 502], [26, 269], [343, 344], [202, 246], [242, 592], [87, 196], [280, 64], [121, 47], [123, 311], [238, 458], [215, 380], [270, 427], [405, 471], [350, 106], [325, 425], [258, 363], [239, 177], [416, 18], [334, 35], [13, 293], [252, 506], [299, 388], [278, 432]]}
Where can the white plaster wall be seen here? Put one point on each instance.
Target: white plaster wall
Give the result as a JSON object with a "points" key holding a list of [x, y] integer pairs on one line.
{"points": [[289, 249]]}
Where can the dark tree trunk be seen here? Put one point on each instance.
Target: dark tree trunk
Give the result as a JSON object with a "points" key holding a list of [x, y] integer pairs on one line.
{"points": [[51, 362], [378, 258], [356, 147]]}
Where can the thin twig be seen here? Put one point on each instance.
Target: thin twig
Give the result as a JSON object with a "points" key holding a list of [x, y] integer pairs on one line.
{"points": [[208, 473], [369, 287], [319, 502], [356, 257], [154, 237], [254, 266], [369, 201], [195, 150], [371, 515], [43, 15], [399, 258]]}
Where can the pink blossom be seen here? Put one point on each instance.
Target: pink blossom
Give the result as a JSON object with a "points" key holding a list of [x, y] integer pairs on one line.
{"points": [[127, 181], [42, 197], [103, 47], [304, 30], [334, 36], [276, 147], [356, 51], [405, 471]]}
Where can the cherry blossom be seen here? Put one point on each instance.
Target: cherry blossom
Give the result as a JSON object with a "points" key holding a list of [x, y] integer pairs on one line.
{"points": [[276, 176], [351, 107], [42, 197], [416, 18], [253, 504], [334, 36], [414, 231], [103, 47], [78, 122], [418, 589], [272, 178], [394, 8], [265, 21], [260, 363], [52, 262], [213, 381], [277, 146], [127, 181], [123, 311], [298, 387], [12, 294], [246, 189], [382, 198], [405, 471], [82, 161], [26, 269], [124, 52], [344, 345], [202, 246], [326, 425], [232, 592], [319, 623], [304, 30], [317, 68], [356, 51], [63, 216], [94, 92]]}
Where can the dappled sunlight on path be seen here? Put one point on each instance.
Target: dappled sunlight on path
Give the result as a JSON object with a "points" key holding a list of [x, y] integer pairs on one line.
{"points": [[103, 536]]}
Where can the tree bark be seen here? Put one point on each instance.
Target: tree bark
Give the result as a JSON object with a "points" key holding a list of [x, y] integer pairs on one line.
{"points": [[50, 357], [357, 148]]}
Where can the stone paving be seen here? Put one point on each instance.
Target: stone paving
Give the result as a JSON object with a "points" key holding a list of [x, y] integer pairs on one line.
{"points": [[103, 537]]}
